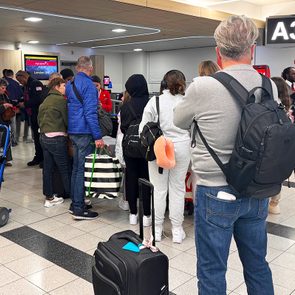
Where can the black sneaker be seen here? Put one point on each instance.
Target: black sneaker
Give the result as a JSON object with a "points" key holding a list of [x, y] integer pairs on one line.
{"points": [[71, 209], [34, 162], [85, 215]]}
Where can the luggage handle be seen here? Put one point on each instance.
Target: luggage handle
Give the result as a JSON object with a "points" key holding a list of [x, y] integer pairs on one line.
{"points": [[129, 239], [143, 182]]}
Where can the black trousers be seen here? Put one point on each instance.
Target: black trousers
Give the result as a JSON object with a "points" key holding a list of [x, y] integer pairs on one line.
{"points": [[137, 168], [36, 138]]}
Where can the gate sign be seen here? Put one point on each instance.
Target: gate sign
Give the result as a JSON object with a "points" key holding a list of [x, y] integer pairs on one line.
{"points": [[280, 30]]}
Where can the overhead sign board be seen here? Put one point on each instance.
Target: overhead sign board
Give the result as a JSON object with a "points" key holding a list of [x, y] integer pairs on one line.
{"points": [[280, 30]]}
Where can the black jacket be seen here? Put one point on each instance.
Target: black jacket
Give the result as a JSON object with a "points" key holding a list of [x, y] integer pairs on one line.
{"points": [[35, 91], [137, 88]]}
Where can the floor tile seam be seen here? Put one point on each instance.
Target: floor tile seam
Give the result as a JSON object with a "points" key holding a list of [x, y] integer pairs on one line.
{"points": [[20, 277], [27, 224], [284, 287], [65, 241], [186, 281], [35, 285], [239, 286], [181, 270], [51, 290], [18, 257], [288, 268], [176, 254], [119, 229], [66, 284], [26, 276]]}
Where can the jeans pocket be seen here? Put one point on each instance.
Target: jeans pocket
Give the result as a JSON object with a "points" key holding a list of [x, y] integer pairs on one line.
{"points": [[263, 208], [221, 213]]}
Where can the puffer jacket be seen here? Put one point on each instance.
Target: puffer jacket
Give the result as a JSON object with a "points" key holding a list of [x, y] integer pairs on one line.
{"points": [[83, 119]]}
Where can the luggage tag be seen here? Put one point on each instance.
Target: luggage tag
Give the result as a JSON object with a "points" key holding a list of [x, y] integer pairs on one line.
{"points": [[131, 247]]}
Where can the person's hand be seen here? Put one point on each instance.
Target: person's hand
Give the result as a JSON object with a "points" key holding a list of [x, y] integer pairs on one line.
{"points": [[99, 143], [7, 105]]}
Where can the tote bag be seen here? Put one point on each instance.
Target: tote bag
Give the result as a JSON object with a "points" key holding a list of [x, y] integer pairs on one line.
{"points": [[102, 176]]}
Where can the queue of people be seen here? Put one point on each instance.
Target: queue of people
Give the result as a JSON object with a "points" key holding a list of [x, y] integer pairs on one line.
{"points": [[69, 111]]}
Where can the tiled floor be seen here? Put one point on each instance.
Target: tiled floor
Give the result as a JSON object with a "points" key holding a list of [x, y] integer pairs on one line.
{"points": [[23, 271]]}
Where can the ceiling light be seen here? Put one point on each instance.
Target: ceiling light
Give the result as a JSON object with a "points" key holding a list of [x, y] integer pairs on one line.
{"points": [[119, 30], [33, 42], [33, 19], [137, 49]]}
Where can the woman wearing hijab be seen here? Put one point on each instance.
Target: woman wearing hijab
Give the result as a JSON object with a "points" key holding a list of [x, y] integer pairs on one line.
{"points": [[132, 109]]}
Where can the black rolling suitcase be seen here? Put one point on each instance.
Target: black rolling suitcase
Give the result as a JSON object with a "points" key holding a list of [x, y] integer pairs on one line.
{"points": [[121, 272]]}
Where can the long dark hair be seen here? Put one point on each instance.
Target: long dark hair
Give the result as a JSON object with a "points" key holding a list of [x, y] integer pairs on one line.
{"points": [[283, 92]]}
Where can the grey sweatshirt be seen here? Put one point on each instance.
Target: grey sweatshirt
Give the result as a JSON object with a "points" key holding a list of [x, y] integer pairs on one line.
{"points": [[218, 116]]}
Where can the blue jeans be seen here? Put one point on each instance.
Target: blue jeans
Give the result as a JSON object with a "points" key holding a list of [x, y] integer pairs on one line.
{"points": [[55, 153], [216, 221], [82, 145]]}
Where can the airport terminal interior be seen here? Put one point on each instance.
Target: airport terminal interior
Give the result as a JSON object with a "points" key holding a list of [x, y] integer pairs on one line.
{"points": [[46, 251]]}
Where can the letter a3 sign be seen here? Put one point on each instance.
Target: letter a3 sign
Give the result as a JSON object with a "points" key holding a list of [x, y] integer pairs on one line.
{"points": [[280, 30]]}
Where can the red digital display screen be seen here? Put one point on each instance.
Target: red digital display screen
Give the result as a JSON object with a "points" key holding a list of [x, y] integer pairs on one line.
{"points": [[41, 66]]}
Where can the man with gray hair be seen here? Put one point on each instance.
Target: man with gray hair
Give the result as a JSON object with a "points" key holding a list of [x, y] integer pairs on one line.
{"points": [[84, 130], [218, 214]]}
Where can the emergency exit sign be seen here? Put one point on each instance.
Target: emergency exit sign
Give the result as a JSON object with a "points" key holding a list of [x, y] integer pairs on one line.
{"points": [[280, 30]]}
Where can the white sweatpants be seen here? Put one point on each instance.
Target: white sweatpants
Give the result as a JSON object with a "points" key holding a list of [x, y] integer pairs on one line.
{"points": [[172, 181]]}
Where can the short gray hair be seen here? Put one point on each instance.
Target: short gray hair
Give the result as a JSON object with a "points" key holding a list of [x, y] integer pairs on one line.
{"points": [[84, 62], [235, 36]]}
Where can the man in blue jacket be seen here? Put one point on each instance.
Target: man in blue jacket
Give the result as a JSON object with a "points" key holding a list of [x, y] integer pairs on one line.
{"points": [[83, 128]]}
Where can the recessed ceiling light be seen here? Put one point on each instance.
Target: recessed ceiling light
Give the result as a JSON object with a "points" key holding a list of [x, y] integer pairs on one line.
{"points": [[33, 19], [119, 30], [137, 49], [33, 42]]}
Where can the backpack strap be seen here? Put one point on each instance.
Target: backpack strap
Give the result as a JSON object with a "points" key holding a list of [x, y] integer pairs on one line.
{"points": [[238, 91], [158, 109], [266, 84], [78, 95], [196, 129], [241, 94]]}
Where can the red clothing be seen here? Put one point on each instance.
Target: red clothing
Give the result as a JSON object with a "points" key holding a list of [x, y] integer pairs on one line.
{"points": [[105, 100]]}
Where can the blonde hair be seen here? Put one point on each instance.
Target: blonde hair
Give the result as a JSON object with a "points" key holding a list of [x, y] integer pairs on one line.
{"points": [[54, 75], [208, 68], [235, 36]]}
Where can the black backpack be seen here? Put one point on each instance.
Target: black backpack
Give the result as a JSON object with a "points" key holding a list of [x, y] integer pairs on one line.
{"points": [[263, 155], [131, 143], [150, 132]]}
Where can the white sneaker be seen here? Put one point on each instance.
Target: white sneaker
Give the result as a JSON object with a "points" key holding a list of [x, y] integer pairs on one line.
{"points": [[158, 233], [178, 234], [133, 219], [124, 205], [87, 202], [53, 202], [147, 220]]}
